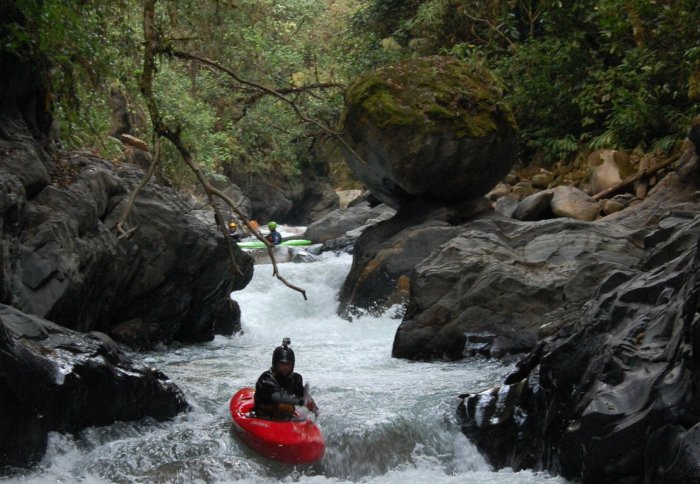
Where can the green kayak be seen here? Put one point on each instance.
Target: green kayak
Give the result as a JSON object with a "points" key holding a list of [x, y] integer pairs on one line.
{"points": [[256, 244]]}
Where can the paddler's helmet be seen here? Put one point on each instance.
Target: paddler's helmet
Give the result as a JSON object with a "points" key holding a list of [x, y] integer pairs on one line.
{"points": [[283, 354], [232, 225], [272, 225]]}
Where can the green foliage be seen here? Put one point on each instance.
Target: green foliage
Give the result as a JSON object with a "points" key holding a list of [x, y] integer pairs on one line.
{"points": [[602, 73], [606, 73], [88, 46]]}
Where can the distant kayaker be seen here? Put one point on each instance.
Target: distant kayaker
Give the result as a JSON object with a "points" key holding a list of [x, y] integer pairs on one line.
{"points": [[279, 389], [233, 231], [273, 237]]}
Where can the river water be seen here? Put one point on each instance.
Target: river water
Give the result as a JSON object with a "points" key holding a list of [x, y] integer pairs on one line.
{"points": [[384, 420]]}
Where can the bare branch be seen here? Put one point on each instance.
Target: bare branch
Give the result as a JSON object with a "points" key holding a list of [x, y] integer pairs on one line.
{"points": [[633, 178], [124, 233], [494, 28]]}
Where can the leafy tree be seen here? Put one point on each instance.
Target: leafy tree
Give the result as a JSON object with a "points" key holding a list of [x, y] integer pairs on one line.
{"points": [[602, 73]]}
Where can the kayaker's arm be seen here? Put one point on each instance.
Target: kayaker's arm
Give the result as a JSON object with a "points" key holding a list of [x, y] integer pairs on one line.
{"points": [[282, 396]]}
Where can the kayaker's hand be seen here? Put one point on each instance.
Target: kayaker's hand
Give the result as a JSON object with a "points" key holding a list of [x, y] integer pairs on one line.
{"points": [[311, 405]]}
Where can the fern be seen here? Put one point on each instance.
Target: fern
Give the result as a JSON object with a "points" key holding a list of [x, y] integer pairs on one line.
{"points": [[604, 140]]}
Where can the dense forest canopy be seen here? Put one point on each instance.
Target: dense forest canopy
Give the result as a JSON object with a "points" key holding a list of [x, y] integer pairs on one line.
{"points": [[586, 74]]}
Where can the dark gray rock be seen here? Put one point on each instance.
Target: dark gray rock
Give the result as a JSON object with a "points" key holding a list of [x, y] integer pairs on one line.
{"points": [[614, 388], [62, 257], [298, 200], [506, 205], [338, 223], [385, 255], [612, 396], [318, 199], [65, 261], [489, 289], [55, 379], [535, 206]]}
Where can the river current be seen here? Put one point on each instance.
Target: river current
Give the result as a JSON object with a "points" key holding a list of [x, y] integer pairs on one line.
{"points": [[385, 420]]}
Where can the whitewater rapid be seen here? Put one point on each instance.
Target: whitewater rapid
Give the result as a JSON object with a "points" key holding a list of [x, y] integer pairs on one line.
{"points": [[385, 420]]}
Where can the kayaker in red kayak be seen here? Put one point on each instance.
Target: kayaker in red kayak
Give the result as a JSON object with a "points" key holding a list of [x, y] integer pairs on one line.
{"points": [[279, 389]]}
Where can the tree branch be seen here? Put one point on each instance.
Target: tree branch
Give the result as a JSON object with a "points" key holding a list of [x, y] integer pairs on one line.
{"points": [[161, 130], [167, 50], [633, 178]]}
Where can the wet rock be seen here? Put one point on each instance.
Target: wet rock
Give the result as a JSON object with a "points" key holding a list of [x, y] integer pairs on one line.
{"points": [[392, 248], [496, 281], [64, 261], [55, 379], [611, 396]]}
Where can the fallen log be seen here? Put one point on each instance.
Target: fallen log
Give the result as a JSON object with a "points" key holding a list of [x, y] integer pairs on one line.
{"points": [[633, 178]]}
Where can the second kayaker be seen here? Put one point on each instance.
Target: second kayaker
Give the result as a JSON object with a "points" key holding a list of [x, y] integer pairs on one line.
{"points": [[279, 389]]}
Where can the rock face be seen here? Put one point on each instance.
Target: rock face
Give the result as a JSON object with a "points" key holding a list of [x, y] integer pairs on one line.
{"points": [[428, 129], [62, 258], [294, 201], [338, 223], [55, 379], [612, 396], [490, 287], [386, 254], [64, 261]]}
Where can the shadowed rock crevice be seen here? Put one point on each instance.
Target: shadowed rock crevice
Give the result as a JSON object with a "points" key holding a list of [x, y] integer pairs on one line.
{"points": [[55, 379]]}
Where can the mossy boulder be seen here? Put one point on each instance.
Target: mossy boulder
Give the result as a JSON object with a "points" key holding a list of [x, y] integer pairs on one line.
{"points": [[430, 129]]}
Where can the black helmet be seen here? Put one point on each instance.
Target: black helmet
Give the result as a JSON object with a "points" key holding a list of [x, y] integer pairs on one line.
{"points": [[283, 354]]}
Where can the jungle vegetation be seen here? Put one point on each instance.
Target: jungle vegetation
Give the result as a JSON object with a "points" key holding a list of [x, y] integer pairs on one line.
{"points": [[256, 83]]}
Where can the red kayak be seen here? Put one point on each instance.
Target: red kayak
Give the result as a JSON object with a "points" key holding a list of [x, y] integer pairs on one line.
{"points": [[295, 441]]}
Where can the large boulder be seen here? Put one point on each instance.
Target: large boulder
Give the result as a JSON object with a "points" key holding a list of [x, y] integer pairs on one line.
{"points": [[55, 379], [64, 259], [491, 287], [612, 398], [429, 129], [386, 254]]}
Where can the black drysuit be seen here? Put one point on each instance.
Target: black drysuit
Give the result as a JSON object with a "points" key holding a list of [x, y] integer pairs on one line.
{"points": [[276, 395]]}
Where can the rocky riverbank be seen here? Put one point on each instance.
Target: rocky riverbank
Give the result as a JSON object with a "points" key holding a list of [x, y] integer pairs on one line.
{"points": [[65, 261], [599, 295]]}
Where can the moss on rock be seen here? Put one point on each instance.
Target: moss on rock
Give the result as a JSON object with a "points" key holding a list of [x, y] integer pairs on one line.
{"points": [[427, 93]]}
